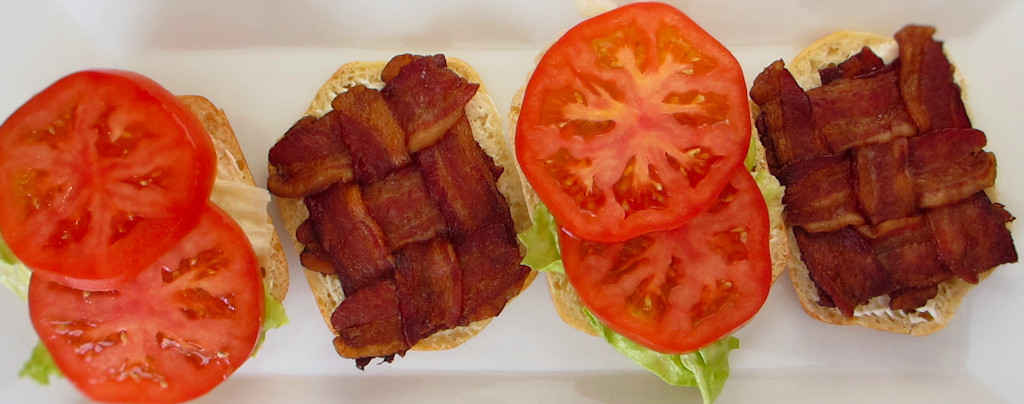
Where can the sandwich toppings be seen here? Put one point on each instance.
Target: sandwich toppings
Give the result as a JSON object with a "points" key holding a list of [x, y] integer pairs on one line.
{"points": [[172, 333], [679, 290], [884, 176], [100, 174], [157, 294], [419, 235], [632, 122]]}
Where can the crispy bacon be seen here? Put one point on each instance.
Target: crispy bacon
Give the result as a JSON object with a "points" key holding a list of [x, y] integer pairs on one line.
{"points": [[368, 323], [314, 258], [971, 236], [853, 112], [864, 62], [427, 99], [401, 206], [309, 158], [883, 185], [910, 299], [906, 249], [460, 180], [350, 236], [397, 63], [491, 274], [371, 132], [926, 80], [429, 288], [819, 195], [843, 266], [784, 125], [948, 165]]}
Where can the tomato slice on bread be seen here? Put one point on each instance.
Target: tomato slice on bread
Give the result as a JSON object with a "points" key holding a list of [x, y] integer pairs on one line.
{"points": [[172, 333], [679, 290], [632, 122], [100, 174]]}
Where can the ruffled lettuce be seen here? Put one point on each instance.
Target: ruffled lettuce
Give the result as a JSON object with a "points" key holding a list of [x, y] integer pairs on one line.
{"points": [[707, 368], [274, 316]]}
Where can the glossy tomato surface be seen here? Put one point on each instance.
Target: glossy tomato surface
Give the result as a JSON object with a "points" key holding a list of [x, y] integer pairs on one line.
{"points": [[177, 330], [100, 174], [679, 290], [632, 122]]}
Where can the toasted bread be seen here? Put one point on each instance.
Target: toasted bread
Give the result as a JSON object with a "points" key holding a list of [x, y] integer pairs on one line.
{"points": [[835, 48], [231, 166], [563, 295], [487, 130]]}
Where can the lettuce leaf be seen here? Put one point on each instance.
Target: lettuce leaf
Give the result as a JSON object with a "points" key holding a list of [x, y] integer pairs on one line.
{"points": [[541, 241], [13, 274], [40, 366], [274, 316], [706, 369]]}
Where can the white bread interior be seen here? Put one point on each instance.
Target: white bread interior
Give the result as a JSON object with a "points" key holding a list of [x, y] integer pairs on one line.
{"points": [[487, 130]]}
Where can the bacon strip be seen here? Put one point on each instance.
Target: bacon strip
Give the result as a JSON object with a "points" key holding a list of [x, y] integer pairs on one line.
{"points": [[883, 185], [401, 206], [971, 236], [460, 179], [841, 263], [906, 249], [926, 81], [309, 158], [397, 63], [427, 99], [491, 274], [429, 288], [371, 132], [819, 194], [948, 166], [784, 125], [368, 323], [350, 236], [858, 111], [910, 299], [864, 62]]}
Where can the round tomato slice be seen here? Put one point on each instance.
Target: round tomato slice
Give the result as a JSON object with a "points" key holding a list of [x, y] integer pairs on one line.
{"points": [[632, 122], [100, 174], [170, 334], [679, 290]]}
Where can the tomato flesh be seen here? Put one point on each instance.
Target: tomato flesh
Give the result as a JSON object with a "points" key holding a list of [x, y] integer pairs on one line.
{"points": [[679, 290], [100, 174], [632, 122], [172, 333]]}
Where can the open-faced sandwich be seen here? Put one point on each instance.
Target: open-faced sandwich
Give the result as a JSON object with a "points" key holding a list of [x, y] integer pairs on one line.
{"points": [[885, 180], [403, 198], [132, 225], [654, 216]]}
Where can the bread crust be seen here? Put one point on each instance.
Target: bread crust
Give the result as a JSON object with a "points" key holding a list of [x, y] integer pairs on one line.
{"points": [[487, 130], [567, 302], [835, 48], [232, 166]]}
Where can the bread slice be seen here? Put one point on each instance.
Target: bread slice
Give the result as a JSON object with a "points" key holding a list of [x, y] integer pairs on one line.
{"points": [[567, 302], [231, 166], [835, 48], [487, 130]]}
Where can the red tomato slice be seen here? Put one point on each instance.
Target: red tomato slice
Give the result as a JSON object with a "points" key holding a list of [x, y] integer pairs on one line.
{"points": [[172, 333], [632, 122], [679, 290], [100, 174]]}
